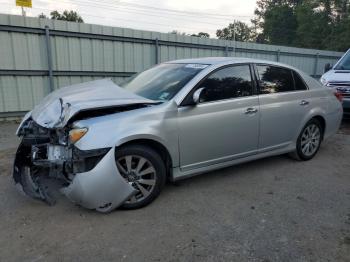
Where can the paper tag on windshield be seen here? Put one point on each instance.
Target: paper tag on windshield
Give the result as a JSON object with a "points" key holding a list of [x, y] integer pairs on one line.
{"points": [[197, 66]]}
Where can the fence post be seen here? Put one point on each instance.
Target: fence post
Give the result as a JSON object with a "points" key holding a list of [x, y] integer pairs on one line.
{"points": [[49, 57], [316, 64], [226, 50], [157, 50], [234, 47], [278, 55]]}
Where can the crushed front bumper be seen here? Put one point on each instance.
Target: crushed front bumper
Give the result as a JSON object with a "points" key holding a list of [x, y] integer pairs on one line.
{"points": [[101, 188]]}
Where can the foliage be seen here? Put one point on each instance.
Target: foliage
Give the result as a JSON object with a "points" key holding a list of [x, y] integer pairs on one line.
{"points": [[42, 15], [177, 32], [202, 35], [280, 25], [238, 30], [320, 24], [71, 16]]}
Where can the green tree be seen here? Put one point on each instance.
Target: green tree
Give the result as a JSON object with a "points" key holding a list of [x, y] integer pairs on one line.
{"points": [[202, 35], [280, 25], [314, 27], [238, 30], [42, 15], [322, 24], [339, 38], [176, 32], [71, 16]]}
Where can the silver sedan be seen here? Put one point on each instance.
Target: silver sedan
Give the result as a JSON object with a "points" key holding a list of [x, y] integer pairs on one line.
{"points": [[109, 146]]}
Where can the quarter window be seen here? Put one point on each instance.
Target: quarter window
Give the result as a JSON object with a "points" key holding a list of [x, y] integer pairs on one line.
{"points": [[299, 83], [275, 79], [229, 82]]}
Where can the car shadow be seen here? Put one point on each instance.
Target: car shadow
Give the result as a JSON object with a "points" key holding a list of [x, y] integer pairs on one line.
{"points": [[345, 127]]}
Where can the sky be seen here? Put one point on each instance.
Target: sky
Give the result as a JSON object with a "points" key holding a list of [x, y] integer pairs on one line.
{"points": [[188, 16]]}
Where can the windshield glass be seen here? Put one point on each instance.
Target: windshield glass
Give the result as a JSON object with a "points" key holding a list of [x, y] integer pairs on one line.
{"points": [[344, 64], [162, 82]]}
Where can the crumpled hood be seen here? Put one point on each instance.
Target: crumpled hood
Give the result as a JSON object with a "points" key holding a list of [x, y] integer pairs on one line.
{"points": [[58, 107]]}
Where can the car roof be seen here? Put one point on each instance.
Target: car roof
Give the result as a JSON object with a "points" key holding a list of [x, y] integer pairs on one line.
{"points": [[208, 60], [225, 60]]}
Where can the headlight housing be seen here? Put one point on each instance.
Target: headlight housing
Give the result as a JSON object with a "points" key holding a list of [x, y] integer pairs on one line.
{"points": [[76, 134], [324, 81]]}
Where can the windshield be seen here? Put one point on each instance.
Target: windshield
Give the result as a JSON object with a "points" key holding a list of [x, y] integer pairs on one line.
{"points": [[162, 82], [344, 64]]}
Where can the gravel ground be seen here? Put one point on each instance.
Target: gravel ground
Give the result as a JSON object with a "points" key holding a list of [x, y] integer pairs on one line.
{"points": [[275, 209]]}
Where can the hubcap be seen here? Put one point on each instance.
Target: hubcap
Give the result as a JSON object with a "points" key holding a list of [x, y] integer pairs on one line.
{"points": [[310, 140], [139, 173]]}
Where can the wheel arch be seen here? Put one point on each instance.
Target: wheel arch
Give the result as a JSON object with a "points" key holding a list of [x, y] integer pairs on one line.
{"points": [[157, 146], [322, 121], [315, 113]]}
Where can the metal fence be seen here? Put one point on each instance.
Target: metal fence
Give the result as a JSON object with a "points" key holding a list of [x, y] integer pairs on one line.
{"points": [[40, 55]]}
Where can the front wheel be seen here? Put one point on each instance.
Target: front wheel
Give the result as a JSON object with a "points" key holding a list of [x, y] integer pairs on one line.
{"points": [[144, 169], [309, 140]]}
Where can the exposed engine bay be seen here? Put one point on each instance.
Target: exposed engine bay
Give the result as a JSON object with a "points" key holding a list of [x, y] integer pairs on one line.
{"points": [[47, 153]]}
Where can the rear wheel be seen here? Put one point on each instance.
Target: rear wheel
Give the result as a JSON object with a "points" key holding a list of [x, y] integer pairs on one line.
{"points": [[144, 170], [309, 140]]}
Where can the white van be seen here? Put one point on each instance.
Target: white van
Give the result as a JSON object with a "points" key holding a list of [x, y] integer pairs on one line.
{"points": [[338, 77]]}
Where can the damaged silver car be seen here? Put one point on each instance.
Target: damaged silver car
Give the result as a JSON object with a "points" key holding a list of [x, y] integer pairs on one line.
{"points": [[108, 146]]}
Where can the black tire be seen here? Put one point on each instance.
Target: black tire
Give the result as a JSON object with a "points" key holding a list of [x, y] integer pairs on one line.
{"points": [[299, 154], [159, 175]]}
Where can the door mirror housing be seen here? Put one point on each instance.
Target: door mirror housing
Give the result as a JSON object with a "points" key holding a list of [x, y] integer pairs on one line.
{"points": [[327, 67], [197, 95]]}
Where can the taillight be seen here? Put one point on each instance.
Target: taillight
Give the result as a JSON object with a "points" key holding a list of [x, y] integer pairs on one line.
{"points": [[339, 96]]}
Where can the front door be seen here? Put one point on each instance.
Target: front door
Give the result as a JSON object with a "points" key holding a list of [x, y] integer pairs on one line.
{"points": [[225, 123]]}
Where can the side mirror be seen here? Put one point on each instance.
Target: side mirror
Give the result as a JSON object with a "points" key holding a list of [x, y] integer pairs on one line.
{"points": [[197, 95], [327, 67]]}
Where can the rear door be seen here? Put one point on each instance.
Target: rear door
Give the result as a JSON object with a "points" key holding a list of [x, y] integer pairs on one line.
{"points": [[282, 105]]}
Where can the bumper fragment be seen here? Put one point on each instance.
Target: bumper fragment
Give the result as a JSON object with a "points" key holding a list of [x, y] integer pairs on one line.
{"points": [[102, 188], [28, 183]]}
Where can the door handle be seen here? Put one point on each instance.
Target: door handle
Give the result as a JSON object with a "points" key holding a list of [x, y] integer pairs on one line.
{"points": [[251, 110], [304, 103]]}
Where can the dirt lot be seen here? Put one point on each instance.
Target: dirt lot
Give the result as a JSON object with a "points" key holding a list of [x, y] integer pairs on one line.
{"points": [[275, 209]]}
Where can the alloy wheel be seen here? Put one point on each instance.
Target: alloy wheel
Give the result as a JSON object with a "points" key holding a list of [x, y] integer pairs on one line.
{"points": [[310, 139], [140, 174]]}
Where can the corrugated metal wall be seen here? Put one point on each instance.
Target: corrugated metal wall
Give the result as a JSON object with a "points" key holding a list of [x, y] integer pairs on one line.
{"points": [[83, 52]]}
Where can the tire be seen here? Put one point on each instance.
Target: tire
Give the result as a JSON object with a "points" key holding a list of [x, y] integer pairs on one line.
{"points": [[309, 140], [144, 169]]}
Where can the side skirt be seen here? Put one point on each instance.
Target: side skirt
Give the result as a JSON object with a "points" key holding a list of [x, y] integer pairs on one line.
{"points": [[178, 174]]}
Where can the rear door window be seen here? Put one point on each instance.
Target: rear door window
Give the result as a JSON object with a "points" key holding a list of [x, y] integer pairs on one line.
{"points": [[275, 79]]}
